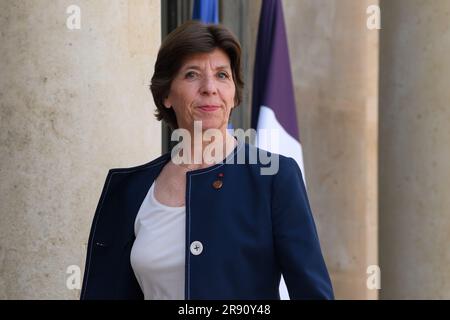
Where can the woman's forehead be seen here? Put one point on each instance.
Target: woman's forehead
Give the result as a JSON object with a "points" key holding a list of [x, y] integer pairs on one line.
{"points": [[217, 59]]}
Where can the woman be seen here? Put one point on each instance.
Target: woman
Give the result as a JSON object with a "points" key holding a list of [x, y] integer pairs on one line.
{"points": [[208, 229]]}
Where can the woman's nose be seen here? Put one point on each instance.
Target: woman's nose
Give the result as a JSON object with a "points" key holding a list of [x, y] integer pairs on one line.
{"points": [[208, 85]]}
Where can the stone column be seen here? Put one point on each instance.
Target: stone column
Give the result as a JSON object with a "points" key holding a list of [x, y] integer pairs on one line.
{"points": [[334, 58], [74, 103], [414, 149]]}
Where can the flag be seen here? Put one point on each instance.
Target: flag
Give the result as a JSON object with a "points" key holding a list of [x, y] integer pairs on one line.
{"points": [[206, 11], [273, 106]]}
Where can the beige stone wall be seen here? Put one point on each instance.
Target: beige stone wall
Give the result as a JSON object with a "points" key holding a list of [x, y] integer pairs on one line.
{"points": [[74, 103], [334, 60], [415, 149]]}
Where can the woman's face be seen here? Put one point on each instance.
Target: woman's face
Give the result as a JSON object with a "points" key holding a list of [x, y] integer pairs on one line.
{"points": [[203, 90]]}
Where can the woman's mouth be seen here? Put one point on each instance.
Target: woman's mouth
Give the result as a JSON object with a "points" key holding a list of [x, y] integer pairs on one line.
{"points": [[209, 108]]}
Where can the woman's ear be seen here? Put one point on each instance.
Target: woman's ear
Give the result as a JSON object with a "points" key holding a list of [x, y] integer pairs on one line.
{"points": [[167, 103]]}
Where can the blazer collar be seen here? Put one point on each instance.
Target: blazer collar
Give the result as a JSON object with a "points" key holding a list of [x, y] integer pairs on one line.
{"points": [[141, 178]]}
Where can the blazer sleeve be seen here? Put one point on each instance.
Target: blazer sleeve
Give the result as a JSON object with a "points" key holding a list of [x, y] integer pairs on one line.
{"points": [[296, 241]]}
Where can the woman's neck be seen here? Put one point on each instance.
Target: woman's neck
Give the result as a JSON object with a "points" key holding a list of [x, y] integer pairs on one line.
{"points": [[204, 152]]}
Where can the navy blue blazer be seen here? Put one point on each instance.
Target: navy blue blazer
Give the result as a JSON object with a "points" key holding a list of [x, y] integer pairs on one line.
{"points": [[253, 228]]}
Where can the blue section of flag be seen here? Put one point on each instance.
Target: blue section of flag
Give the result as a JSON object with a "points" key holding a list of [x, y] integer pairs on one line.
{"points": [[206, 11]]}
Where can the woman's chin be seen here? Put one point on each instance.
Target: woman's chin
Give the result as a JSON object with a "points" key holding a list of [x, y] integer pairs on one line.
{"points": [[211, 124]]}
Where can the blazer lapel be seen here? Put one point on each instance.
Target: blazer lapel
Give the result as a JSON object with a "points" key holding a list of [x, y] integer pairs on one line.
{"points": [[136, 186]]}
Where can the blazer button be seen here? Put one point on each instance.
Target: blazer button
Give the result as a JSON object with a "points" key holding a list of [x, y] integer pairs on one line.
{"points": [[196, 248], [217, 184]]}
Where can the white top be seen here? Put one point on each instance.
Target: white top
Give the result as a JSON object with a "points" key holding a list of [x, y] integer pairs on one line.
{"points": [[158, 252]]}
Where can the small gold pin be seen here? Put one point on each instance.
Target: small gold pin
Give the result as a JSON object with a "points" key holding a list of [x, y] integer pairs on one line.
{"points": [[217, 184]]}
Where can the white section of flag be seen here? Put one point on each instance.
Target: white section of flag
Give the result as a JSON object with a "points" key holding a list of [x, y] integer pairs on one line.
{"points": [[285, 144]]}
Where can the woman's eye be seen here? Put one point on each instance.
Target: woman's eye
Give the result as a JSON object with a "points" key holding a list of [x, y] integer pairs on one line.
{"points": [[190, 74], [223, 75]]}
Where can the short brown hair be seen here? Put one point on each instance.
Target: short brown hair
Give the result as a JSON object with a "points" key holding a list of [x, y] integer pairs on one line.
{"points": [[190, 38]]}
